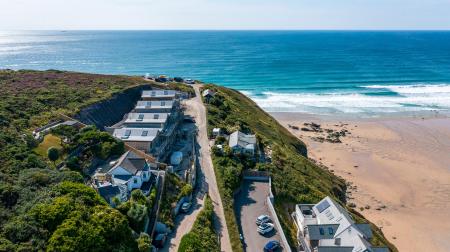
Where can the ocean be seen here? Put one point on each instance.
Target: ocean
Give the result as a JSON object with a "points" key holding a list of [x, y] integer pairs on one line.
{"points": [[319, 72]]}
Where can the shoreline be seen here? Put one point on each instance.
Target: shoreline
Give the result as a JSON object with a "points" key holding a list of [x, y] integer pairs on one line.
{"points": [[397, 169]]}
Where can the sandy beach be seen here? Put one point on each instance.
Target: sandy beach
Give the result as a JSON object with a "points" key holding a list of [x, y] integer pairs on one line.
{"points": [[398, 171]]}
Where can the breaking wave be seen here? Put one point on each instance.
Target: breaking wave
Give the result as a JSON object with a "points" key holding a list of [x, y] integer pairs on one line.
{"points": [[403, 98]]}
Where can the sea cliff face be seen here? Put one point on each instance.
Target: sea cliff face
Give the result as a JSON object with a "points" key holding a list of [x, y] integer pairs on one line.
{"points": [[108, 112]]}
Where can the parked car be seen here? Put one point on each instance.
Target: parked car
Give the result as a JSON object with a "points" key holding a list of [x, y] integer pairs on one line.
{"points": [[189, 81], [265, 228], [159, 240], [178, 79], [186, 206], [272, 246], [262, 219]]}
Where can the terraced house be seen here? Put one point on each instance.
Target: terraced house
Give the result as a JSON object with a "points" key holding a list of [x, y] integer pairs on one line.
{"points": [[153, 125]]}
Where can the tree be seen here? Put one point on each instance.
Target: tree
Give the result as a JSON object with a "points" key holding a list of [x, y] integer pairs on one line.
{"points": [[144, 242], [53, 154]]}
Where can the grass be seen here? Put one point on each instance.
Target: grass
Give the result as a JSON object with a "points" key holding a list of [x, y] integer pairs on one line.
{"points": [[49, 140], [295, 178]]}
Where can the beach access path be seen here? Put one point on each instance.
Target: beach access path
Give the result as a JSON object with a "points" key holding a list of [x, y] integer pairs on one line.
{"points": [[196, 108]]}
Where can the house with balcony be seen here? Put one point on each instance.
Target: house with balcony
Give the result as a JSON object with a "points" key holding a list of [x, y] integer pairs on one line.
{"points": [[328, 227]]}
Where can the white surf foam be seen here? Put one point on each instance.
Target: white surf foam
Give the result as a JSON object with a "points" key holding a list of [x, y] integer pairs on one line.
{"points": [[411, 98]]}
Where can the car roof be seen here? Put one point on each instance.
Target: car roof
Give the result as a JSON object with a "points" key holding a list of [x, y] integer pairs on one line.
{"points": [[271, 244]]}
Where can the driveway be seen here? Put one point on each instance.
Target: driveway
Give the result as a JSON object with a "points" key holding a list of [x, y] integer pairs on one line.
{"points": [[196, 109], [250, 203]]}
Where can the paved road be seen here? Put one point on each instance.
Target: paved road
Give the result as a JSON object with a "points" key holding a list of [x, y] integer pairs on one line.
{"points": [[251, 203], [183, 223], [196, 109]]}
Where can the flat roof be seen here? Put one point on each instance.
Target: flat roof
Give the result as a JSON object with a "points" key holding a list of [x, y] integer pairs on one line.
{"points": [[147, 117], [160, 93], [154, 104], [136, 134]]}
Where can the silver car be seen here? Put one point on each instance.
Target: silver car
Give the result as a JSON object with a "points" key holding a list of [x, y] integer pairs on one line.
{"points": [[265, 228], [262, 219]]}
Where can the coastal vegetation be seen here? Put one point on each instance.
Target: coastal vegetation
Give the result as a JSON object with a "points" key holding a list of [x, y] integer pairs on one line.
{"points": [[202, 237], [295, 178], [44, 208]]}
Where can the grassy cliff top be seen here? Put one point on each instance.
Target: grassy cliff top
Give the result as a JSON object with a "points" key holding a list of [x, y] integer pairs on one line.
{"points": [[39, 209], [295, 178]]}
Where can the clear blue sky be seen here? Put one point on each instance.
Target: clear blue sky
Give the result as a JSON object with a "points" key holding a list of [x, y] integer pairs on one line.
{"points": [[224, 14]]}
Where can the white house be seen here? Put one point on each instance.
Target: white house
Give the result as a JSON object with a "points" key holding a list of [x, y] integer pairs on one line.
{"points": [[242, 143], [159, 94], [160, 106], [139, 138], [208, 94], [130, 170], [146, 120], [327, 227]]}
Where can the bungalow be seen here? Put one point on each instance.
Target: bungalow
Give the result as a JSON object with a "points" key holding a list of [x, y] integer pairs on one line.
{"points": [[242, 143], [208, 94], [326, 226], [157, 95]]}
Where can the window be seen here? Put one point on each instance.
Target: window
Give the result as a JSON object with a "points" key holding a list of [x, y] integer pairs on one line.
{"points": [[153, 93], [140, 117], [145, 133], [135, 180], [330, 231], [127, 133], [166, 92], [163, 103], [156, 116], [321, 231]]}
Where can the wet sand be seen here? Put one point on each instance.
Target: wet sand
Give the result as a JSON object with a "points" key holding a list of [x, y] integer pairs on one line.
{"points": [[399, 168]]}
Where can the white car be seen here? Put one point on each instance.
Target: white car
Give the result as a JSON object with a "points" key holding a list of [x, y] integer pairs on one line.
{"points": [[186, 206], [265, 228], [262, 219]]}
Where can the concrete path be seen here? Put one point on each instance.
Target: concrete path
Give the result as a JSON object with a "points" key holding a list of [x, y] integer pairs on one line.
{"points": [[196, 109]]}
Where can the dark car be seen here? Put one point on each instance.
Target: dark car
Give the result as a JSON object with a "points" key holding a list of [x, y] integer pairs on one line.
{"points": [[178, 79], [272, 246]]}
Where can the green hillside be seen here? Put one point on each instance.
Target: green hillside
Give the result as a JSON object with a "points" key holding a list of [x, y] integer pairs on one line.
{"points": [[295, 178], [42, 208]]}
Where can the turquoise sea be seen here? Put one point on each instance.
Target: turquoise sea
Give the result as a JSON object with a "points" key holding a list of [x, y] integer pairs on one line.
{"points": [[320, 72]]}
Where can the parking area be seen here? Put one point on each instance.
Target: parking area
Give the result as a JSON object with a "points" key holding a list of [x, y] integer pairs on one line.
{"points": [[250, 203]]}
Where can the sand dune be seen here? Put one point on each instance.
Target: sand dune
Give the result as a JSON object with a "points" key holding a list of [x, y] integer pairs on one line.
{"points": [[398, 168]]}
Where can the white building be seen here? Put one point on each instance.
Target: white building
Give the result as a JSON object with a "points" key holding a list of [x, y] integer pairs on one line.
{"points": [[146, 120], [155, 95], [120, 177], [160, 106], [139, 138], [327, 227], [242, 143]]}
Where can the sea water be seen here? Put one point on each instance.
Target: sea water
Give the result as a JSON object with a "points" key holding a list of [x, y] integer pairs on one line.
{"points": [[319, 72]]}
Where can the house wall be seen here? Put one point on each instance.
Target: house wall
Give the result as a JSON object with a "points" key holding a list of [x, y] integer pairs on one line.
{"points": [[134, 183]]}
